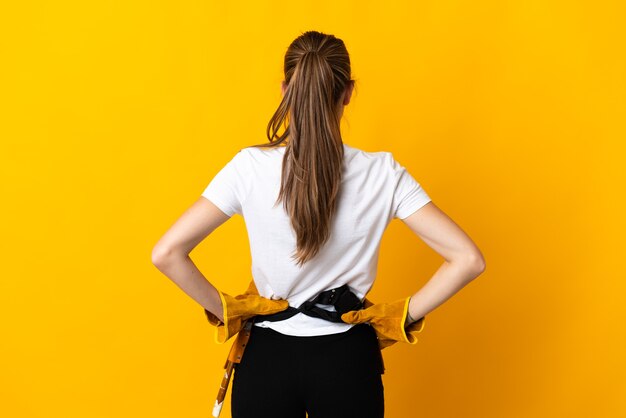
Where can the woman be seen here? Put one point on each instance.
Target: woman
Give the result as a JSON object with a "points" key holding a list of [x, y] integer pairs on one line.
{"points": [[337, 201]]}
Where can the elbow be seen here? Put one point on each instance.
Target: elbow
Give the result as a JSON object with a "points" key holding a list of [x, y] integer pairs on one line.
{"points": [[160, 255], [475, 263]]}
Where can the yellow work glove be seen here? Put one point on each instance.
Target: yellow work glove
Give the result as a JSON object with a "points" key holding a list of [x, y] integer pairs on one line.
{"points": [[388, 320], [238, 309]]}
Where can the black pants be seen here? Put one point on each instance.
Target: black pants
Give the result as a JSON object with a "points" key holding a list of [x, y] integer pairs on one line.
{"points": [[326, 376]]}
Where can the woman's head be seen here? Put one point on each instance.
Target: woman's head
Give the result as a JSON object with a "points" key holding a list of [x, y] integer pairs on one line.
{"points": [[317, 85], [315, 55]]}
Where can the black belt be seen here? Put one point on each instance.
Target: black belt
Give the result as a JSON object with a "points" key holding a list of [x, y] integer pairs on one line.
{"points": [[342, 298]]}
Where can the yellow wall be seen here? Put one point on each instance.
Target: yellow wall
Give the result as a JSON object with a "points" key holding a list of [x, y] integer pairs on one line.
{"points": [[115, 115]]}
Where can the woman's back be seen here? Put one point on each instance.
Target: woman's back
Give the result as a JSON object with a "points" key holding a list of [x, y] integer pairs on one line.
{"points": [[374, 189]]}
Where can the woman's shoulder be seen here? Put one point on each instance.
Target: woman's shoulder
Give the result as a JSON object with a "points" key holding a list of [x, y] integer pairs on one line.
{"points": [[263, 150], [368, 157]]}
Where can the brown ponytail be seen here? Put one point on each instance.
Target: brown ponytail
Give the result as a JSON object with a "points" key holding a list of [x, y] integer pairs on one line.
{"points": [[317, 74]]}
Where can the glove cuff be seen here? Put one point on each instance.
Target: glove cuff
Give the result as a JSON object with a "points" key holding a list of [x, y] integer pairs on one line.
{"points": [[409, 332], [222, 332], [221, 327]]}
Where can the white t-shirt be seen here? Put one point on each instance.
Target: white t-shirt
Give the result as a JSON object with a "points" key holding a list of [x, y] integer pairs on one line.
{"points": [[375, 189]]}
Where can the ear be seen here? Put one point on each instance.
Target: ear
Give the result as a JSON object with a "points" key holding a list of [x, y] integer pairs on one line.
{"points": [[283, 87], [348, 92]]}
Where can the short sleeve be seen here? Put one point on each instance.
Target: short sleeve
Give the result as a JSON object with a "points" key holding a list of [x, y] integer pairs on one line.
{"points": [[408, 195], [226, 189]]}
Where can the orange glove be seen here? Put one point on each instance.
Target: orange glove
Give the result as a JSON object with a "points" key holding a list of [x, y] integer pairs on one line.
{"points": [[240, 308], [388, 320]]}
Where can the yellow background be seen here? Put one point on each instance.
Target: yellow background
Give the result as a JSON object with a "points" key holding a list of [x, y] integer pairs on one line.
{"points": [[116, 114]]}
